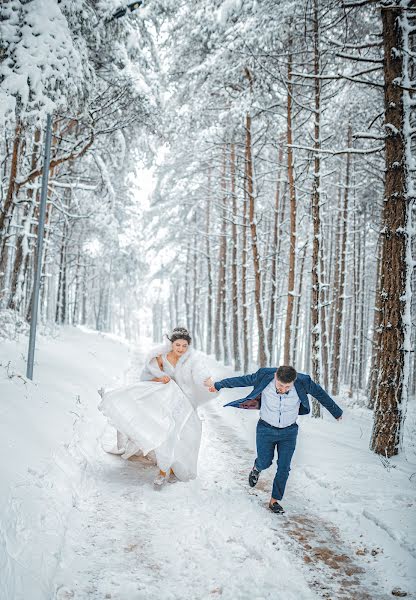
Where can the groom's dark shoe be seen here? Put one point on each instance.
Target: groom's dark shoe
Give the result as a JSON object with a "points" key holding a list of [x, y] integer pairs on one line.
{"points": [[276, 508], [253, 477]]}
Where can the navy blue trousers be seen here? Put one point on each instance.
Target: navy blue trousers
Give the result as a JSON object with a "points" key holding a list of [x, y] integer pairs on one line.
{"points": [[269, 438]]}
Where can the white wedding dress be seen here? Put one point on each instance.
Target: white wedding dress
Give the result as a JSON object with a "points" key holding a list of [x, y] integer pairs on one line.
{"points": [[153, 417]]}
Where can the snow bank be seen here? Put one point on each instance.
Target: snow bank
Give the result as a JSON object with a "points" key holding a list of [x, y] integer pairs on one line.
{"points": [[43, 459]]}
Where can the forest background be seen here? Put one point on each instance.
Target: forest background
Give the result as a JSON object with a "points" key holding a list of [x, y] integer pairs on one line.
{"points": [[281, 141]]}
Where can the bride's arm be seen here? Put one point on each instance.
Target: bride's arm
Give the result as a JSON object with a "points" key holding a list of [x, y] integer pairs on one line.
{"points": [[148, 373], [164, 378]]}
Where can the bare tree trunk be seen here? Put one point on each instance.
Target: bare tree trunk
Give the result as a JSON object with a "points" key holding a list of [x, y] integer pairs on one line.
{"points": [[393, 364], [316, 315], [298, 305], [292, 195], [209, 267], [362, 306], [336, 250], [222, 257], [61, 297], [7, 210], [187, 286], [195, 287], [234, 274], [254, 246], [84, 296], [339, 312], [273, 267], [75, 308], [244, 274], [323, 320], [356, 294], [375, 352]]}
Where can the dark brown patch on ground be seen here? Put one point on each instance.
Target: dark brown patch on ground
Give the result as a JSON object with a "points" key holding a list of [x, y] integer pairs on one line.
{"points": [[323, 549]]}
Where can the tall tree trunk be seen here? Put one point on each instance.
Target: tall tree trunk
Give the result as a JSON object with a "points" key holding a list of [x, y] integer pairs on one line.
{"points": [[188, 286], [209, 266], [195, 285], [75, 308], [394, 348], [255, 246], [339, 312], [375, 351], [336, 251], [292, 196], [274, 262], [298, 305], [356, 273], [316, 315], [61, 297], [244, 275], [222, 257], [362, 325], [234, 274], [84, 295], [6, 212]]}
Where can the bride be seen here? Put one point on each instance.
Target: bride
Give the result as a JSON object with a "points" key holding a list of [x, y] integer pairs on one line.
{"points": [[159, 414]]}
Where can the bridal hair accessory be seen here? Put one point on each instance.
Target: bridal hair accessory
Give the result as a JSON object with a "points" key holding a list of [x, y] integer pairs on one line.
{"points": [[179, 333]]}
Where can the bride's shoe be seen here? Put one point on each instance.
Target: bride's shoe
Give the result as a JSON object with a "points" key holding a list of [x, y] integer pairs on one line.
{"points": [[160, 480], [172, 477]]}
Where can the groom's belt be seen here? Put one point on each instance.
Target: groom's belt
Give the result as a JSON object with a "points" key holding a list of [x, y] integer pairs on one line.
{"points": [[274, 427]]}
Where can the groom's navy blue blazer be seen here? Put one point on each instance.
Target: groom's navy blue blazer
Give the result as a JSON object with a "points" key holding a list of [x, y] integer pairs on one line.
{"points": [[304, 385]]}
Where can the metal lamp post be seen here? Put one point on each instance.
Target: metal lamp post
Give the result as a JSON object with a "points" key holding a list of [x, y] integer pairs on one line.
{"points": [[39, 247]]}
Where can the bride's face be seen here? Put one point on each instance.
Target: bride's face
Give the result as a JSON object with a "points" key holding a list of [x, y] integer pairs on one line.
{"points": [[179, 347]]}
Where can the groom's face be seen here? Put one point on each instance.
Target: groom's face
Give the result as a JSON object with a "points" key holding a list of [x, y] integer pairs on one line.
{"points": [[281, 387]]}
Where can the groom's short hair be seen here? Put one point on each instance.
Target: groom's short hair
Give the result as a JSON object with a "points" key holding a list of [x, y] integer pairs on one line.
{"points": [[286, 374]]}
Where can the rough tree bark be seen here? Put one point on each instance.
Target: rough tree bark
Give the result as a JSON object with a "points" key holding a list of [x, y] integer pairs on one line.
{"points": [[393, 378], [209, 266], [339, 311], [234, 274], [292, 196], [316, 310], [273, 267], [254, 240], [219, 313]]}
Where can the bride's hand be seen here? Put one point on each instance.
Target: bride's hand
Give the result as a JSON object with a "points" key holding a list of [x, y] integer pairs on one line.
{"points": [[165, 379], [210, 385]]}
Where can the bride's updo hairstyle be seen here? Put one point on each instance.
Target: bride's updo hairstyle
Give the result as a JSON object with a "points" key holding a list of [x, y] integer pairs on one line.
{"points": [[179, 333]]}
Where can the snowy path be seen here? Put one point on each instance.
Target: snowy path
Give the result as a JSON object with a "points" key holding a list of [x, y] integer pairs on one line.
{"points": [[78, 523], [210, 538]]}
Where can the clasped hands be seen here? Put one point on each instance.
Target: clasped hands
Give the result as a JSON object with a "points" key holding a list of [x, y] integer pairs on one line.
{"points": [[209, 383]]}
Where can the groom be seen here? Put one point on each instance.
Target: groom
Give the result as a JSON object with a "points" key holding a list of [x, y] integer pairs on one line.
{"points": [[281, 395]]}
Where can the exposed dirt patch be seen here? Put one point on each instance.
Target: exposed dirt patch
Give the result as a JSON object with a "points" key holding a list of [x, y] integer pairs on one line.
{"points": [[322, 548]]}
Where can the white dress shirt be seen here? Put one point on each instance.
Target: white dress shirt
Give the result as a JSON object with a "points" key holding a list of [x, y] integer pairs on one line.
{"points": [[279, 410]]}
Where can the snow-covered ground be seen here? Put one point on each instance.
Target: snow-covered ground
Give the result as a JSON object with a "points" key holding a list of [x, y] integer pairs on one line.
{"points": [[78, 523]]}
